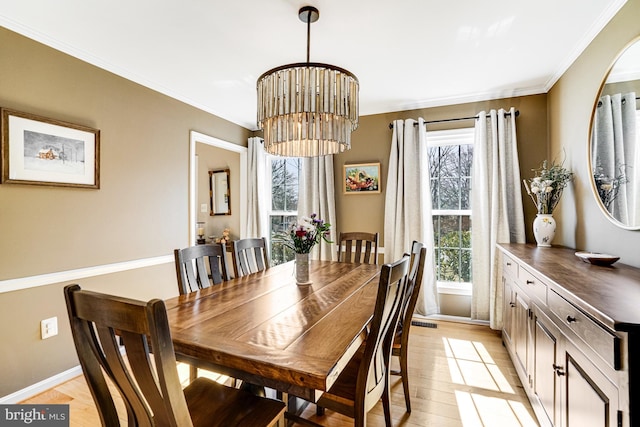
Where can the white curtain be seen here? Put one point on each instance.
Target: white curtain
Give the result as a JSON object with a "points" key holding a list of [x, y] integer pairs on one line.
{"points": [[614, 150], [256, 219], [496, 204], [407, 210], [317, 195]]}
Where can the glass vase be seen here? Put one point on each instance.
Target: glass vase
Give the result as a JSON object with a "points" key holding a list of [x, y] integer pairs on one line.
{"points": [[302, 269]]}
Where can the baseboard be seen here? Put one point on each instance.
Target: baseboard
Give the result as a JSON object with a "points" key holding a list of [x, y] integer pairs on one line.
{"points": [[41, 386], [456, 319]]}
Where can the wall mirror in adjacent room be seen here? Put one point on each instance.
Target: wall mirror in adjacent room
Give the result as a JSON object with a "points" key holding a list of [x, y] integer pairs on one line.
{"points": [[219, 192], [614, 149]]}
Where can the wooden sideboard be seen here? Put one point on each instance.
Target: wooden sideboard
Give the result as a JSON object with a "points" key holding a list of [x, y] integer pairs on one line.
{"points": [[572, 331]]}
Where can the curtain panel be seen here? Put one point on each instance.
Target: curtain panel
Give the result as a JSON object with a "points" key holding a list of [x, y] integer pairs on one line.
{"points": [[614, 148], [256, 219], [496, 203], [407, 211], [317, 195]]}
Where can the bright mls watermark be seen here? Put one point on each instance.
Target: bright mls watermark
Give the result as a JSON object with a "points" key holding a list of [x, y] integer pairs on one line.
{"points": [[34, 415]]}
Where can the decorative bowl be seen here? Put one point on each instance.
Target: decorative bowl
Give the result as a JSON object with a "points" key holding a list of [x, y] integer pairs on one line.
{"points": [[597, 258]]}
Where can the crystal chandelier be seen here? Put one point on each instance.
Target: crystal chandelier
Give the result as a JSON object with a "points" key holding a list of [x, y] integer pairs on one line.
{"points": [[307, 109]]}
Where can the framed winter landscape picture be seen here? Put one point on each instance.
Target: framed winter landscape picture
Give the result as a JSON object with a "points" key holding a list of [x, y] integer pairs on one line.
{"points": [[42, 151], [363, 178]]}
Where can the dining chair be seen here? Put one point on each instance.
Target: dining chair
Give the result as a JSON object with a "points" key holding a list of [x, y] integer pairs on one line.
{"points": [[197, 267], [148, 380], [350, 247], [365, 379], [400, 347], [249, 256]]}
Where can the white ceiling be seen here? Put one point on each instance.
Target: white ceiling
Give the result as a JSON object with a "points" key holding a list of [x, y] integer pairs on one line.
{"points": [[407, 54]]}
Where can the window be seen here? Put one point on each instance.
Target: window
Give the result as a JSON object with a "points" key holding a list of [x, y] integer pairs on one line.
{"points": [[450, 159], [283, 208]]}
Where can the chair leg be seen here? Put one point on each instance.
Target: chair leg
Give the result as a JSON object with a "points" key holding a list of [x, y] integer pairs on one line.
{"points": [[319, 411], [193, 373], [386, 406], [404, 373]]}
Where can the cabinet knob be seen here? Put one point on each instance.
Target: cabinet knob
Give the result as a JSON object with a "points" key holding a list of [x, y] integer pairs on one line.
{"points": [[570, 319], [512, 304], [558, 369], [508, 264], [530, 282]]}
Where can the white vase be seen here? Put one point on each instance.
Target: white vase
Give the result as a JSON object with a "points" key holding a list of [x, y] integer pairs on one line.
{"points": [[544, 229], [302, 269]]}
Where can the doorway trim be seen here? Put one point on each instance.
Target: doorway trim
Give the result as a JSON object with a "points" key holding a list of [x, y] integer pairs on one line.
{"points": [[193, 166]]}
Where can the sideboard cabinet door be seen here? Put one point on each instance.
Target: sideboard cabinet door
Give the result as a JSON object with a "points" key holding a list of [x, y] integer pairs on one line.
{"points": [[591, 400], [547, 371], [522, 336]]}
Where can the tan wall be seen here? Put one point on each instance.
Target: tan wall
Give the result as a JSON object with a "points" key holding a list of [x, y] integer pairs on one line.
{"points": [[581, 224], [140, 211], [213, 158], [371, 142]]}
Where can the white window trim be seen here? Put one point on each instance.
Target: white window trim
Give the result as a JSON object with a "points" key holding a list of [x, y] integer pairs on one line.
{"points": [[460, 136], [270, 212], [441, 138]]}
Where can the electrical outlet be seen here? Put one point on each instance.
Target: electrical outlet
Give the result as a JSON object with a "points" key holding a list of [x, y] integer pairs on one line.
{"points": [[204, 208], [49, 327]]}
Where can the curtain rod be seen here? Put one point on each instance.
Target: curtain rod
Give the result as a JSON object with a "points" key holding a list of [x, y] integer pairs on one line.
{"points": [[426, 122]]}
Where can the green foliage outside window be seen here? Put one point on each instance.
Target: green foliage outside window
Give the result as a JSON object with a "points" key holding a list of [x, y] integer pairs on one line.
{"points": [[285, 174], [279, 252], [454, 257], [450, 171]]}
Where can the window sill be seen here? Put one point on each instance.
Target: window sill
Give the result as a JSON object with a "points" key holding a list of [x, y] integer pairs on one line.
{"points": [[453, 288]]}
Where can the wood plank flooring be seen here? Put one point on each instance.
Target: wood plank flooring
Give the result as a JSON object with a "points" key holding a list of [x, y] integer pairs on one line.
{"points": [[460, 375]]}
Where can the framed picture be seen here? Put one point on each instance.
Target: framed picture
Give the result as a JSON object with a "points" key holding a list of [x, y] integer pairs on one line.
{"points": [[40, 151], [362, 178]]}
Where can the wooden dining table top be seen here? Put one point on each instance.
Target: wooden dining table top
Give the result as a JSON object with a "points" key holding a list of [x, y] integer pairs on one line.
{"points": [[265, 329]]}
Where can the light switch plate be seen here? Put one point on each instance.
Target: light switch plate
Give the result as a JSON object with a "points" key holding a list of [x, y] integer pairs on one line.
{"points": [[49, 327]]}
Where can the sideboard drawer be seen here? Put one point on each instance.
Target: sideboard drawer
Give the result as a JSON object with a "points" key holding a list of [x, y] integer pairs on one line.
{"points": [[604, 343], [509, 266], [533, 285]]}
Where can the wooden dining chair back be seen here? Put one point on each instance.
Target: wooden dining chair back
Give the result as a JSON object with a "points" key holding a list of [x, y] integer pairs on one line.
{"points": [[365, 379], [249, 256], [200, 266], [400, 346], [148, 380], [351, 245]]}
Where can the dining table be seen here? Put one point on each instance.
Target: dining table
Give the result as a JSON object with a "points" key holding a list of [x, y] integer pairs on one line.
{"points": [[266, 330]]}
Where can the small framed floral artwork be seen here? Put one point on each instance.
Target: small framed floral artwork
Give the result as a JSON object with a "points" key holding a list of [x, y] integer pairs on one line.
{"points": [[41, 151], [362, 178]]}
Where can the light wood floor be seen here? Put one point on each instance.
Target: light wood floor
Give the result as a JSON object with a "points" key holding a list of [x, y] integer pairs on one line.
{"points": [[460, 375]]}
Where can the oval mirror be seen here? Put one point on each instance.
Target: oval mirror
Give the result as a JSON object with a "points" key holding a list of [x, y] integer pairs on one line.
{"points": [[219, 192], [614, 152]]}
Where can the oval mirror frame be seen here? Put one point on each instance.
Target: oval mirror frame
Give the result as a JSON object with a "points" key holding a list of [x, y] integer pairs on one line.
{"points": [[635, 43]]}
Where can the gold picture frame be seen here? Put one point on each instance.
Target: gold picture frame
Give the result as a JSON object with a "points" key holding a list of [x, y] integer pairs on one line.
{"points": [[41, 151], [361, 178]]}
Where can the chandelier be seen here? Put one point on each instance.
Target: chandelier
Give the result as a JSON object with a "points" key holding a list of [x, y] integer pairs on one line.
{"points": [[307, 109]]}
